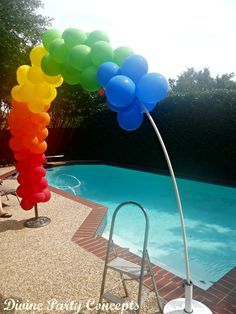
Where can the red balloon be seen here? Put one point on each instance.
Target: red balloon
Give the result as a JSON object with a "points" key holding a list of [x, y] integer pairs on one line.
{"points": [[47, 194], [38, 197], [26, 203], [20, 191], [37, 173], [41, 184]]}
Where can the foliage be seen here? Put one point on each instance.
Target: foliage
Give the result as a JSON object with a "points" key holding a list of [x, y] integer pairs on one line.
{"points": [[21, 28], [73, 106], [192, 81]]}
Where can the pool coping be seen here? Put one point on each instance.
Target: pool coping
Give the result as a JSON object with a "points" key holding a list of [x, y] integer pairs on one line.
{"points": [[220, 297]]}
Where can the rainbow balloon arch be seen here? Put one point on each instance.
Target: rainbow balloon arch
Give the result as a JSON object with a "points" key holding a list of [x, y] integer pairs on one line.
{"points": [[87, 59]]}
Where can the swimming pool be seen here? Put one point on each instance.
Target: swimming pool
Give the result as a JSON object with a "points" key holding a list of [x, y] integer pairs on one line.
{"points": [[209, 212]]}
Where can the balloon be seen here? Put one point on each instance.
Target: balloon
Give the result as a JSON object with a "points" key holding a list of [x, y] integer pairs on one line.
{"points": [[53, 79], [16, 144], [49, 36], [101, 52], [16, 93], [35, 75], [27, 91], [79, 57], [121, 53], [95, 36], [38, 197], [49, 66], [113, 108], [70, 74], [26, 203], [22, 74], [47, 195], [73, 37], [42, 134], [21, 155], [30, 142], [152, 87], [41, 184], [58, 51], [134, 67], [120, 91], [43, 90], [106, 71], [40, 148], [37, 173], [36, 55], [89, 79], [42, 119], [149, 106], [130, 118], [36, 105]]}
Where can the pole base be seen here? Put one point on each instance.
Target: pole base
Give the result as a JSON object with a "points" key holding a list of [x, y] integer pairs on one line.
{"points": [[177, 306], [37, 222]]}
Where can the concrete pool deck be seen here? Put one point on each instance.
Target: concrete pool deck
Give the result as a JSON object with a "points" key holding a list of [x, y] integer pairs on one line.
{"points": [[64, 260]]}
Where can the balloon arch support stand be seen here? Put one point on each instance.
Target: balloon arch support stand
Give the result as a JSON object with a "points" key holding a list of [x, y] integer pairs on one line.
{"points": [[87, 59]]}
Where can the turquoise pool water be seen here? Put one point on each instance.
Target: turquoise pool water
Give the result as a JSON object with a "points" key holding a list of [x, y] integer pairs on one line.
{"points": [[209, 211]]}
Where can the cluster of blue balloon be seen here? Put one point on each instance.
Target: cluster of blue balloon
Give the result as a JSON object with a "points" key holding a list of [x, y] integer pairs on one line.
{"points": [[129, 85]]}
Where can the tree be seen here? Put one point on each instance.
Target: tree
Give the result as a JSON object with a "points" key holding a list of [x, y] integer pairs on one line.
{"points": [[21, 28], [192, 81]]}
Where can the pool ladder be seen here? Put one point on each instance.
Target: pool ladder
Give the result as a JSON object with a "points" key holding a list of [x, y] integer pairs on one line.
{"points": [[127, 268]]}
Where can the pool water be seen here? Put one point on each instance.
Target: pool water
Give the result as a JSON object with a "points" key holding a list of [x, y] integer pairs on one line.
{"points": [[209, 212]]}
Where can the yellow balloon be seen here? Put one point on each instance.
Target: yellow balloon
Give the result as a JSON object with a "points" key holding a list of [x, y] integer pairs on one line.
{"points": [[52, 96], [59, 83], [52, 79], [43, 90], [21, 74], [36, 55], [36, 105], [16, 93], [27, 91], [35, 75]]}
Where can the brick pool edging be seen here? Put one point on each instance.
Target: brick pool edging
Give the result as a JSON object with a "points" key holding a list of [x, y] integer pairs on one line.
{"points": [[220, 297]]}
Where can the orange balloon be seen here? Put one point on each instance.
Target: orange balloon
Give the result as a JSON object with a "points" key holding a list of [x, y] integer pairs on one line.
{"points": [[16, 144], [41, 119], [40, 148], [47, 107], [30, 142], [21, 155], [42, 134]]}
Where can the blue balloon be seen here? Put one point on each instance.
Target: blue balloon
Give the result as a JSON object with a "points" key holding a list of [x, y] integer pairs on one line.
{"points": [[150, 106], [130, 118], [152, 88], [106, 71], [120, 91], [134, 67], [113, 108]]}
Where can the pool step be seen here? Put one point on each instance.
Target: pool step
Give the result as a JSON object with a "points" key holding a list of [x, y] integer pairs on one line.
{"points": [[126, 267]]}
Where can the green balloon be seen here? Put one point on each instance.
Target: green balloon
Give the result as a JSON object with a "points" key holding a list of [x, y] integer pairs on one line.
{"points": [[73, 37], [58, 50], [49, 66], [101, 52], [95, 36], [79, 57], [49, 36], [89, 79], [121, 53], [70, 75]]}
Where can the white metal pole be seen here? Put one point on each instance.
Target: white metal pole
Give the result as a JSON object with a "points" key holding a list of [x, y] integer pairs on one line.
{"points": [[188, 285]]}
